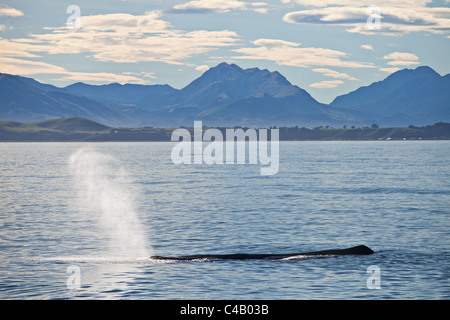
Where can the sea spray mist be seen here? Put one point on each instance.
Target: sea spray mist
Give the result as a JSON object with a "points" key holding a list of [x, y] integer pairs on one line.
{"points": [[105, 192]]}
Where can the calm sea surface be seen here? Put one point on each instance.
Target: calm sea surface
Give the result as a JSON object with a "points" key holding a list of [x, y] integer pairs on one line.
{"points": [[85, 229]]}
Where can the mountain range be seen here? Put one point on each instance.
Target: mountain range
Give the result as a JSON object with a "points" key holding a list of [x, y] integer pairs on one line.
{"points": [[227, 95]]}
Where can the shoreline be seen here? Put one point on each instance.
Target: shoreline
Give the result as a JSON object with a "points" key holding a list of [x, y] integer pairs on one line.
{"points": [[84, 130]]}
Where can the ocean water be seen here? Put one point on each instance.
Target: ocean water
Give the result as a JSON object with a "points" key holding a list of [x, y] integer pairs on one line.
{"points": [[80, 220]]}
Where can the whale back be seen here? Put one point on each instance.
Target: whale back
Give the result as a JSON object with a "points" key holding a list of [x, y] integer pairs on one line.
{"points": [[358, 250]]}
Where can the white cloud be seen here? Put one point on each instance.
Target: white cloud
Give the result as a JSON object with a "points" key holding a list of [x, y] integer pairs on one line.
{"points": [[258, 4], [199, 6], [367, 46], [291, 54], [397, 17], [16, 48], [401, 56], [127, 38], [202, 68], [119, 38], [7, 11], [389, 70], [217, 6], [402, 63], [141, 74], [366, 3], [147, 74], [275, 43], [326, 84], [333, 74], [24, 67], [261, 10], [102, 77], [401, 59]]}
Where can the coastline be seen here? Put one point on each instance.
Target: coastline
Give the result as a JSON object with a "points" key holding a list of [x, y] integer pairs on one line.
{"points": [[77, 129]]}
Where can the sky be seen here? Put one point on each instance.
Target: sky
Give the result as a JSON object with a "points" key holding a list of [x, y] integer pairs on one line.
{"points": [[328, 47]]}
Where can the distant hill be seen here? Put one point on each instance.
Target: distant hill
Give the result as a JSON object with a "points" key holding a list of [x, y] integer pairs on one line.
{"points": [[228, 83], [23, 99], [81, 129], [419, 96], [116, 93], [62, 129], [76, 129], [227, 95], [230, 95], [72, 125]]}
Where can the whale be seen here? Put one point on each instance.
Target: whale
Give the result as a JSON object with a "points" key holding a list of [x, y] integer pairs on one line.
{"points": [[358, 250]]}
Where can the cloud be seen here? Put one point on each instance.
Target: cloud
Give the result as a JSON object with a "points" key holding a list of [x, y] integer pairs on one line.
{"points": [[141, 74], [401, 59], [367, 46], [202, 68], [396, 17], [402, 63], [117, 38], [7, 11], [16, 48], [401, 56], [365, 3], [261, 10], [24, 67], [126, 38], [146, 74], [327, 84], [288, 53], [269, 43], [334, 74], [389, 70], [217, 6], [202, 6], [103, 77]]}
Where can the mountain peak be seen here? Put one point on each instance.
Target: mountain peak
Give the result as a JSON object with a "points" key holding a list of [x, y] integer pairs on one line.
{"points": [[416, 96], [226, 83], [419, 72], [223, 69], [227, 94], [227, 65], [425, 71]]}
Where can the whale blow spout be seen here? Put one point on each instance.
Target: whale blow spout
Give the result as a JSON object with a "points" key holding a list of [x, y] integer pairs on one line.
{"points": [[358, 250]]}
